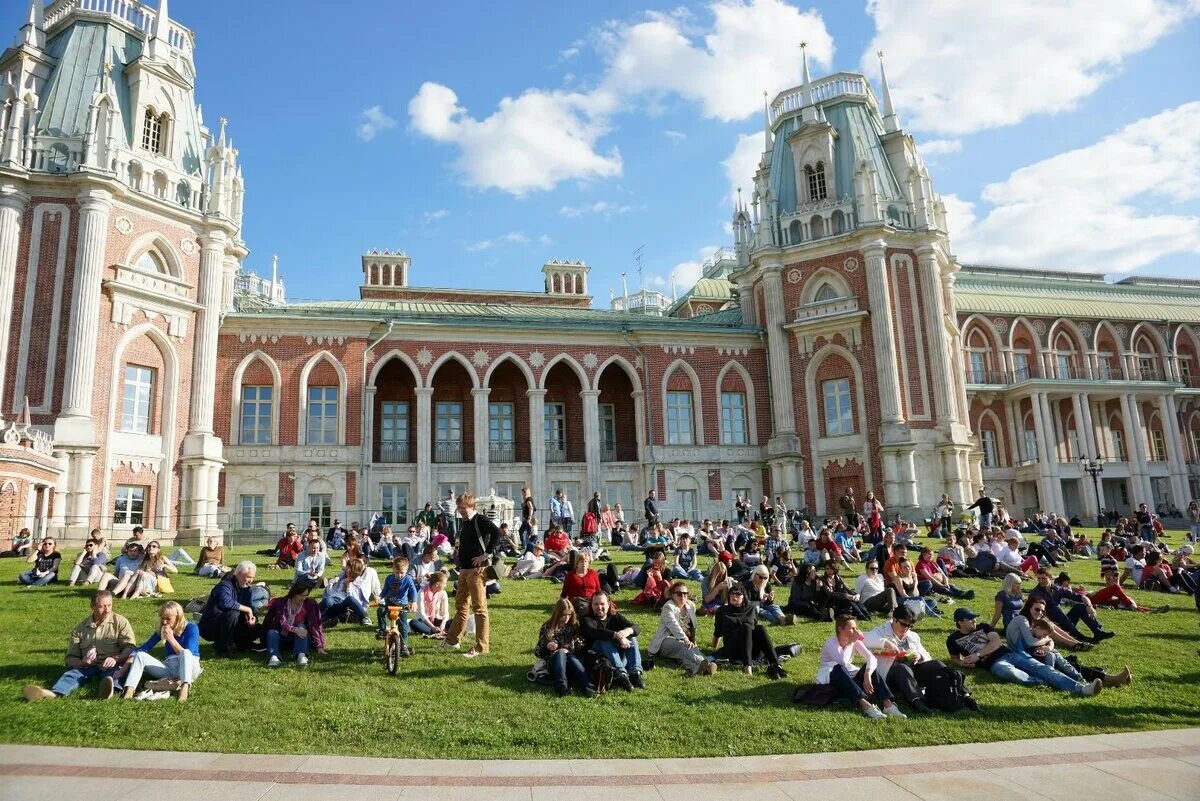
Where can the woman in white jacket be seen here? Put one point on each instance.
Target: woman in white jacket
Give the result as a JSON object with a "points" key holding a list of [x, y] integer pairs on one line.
{"points": [[675, 637], [849, 681]]}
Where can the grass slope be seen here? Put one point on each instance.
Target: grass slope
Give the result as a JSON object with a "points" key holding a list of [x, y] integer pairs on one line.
{"points": [[442, 705]]}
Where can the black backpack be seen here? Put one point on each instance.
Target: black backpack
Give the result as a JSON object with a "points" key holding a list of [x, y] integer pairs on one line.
{"points": [[945, 687]]}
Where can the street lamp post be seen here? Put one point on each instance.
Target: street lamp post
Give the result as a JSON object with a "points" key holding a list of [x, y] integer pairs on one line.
{"points": [[1094, 467]]}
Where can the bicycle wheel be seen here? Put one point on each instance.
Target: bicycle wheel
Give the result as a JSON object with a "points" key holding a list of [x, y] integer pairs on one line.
{"points": [[393, 654]]}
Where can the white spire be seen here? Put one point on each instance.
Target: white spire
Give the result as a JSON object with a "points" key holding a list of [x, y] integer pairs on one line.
{"points": [[158, 35], [274, 271], [33, 32], [806, 84], [766, 123], [890, 121]]}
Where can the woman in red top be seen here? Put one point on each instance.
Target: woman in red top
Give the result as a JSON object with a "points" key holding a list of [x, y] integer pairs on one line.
{"points": [[582, 582], [825, 543], [655, 593], [557, 541]]}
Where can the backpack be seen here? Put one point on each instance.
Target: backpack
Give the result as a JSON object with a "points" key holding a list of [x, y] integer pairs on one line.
{"points": [[945, 687], [591, 524], [983, 562], [814, 695]]}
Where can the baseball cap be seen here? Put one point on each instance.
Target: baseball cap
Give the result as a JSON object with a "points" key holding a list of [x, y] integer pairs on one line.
{"points": [[726, 557], [962, 613]]}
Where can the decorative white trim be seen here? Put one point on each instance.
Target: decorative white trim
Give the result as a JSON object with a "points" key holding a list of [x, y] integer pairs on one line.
{"points": [[31, 278], [575, 366], [458, 357], [856, 446], [634, 379], [124, 225], [509, 356], [395, 353]]}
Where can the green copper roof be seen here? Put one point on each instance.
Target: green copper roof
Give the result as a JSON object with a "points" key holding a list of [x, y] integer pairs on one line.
{"points": [[1039, 293], [490, 314]]}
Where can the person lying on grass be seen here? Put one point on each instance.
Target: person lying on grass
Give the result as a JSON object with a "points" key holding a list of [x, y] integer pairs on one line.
{"points": [[95, 650], [180, 668]]}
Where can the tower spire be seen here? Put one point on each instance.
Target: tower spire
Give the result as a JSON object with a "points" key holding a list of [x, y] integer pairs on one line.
{"points": [[158, 36], [33, 32], [766, 122], [806, 84], [890, 121]]}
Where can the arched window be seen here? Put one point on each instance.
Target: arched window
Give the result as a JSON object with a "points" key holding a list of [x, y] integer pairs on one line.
{"points": [[151, 263], [815, 176], [152, 132], [824, 293]]}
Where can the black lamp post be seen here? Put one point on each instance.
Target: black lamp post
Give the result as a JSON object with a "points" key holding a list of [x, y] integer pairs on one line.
{"points": [[1094, 467]]}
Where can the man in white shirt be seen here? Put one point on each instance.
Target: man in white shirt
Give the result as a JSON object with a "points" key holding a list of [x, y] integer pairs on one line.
{"points": [[685, 527], [887, 641], [531, 565], [310, 566]]}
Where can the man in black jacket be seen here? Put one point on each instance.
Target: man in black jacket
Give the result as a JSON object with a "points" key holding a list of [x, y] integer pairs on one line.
{"points": [[228, 620], [651, 507], [613, 635], [986, 507], [477, 540]]}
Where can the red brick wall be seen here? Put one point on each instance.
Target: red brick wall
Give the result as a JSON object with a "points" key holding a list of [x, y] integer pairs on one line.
{"points": [[351, 488], [714, 485], [840, 476], [287, 489]]}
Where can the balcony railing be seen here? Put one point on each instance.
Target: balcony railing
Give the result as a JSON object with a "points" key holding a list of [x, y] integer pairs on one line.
{"points": [[826, 308], [393, 452], [448, 451], [608, 451], [556, 452], [502, 451]]}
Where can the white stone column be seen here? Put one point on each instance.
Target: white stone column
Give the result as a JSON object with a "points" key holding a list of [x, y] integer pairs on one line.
{"points": [[784, 415], [424, 445], [882, 334], [208, 319], [746, 301], [891, 483], [82, 464], [639, 423], [908, 478], [1136, 445], [62, 490], [591, 439], [537, 449], [483, 452], [1014, 447], [367, 460], [1047, 481], [940, 357], [12, 211], [1084, 433], [1176, 461], [82, 346]]}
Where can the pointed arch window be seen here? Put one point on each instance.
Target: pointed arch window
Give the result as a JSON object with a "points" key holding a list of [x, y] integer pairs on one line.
{"points": [[824, 293], [815, 175], [152, 132], [151, 263]]}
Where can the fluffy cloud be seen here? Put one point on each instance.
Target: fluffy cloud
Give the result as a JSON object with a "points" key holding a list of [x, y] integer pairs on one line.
{"points": [[511, 238], [675, 136], [939, 147], [601, 207], [530, 142], [372, 121], [684, 275], [541, 137], [960, 66], [742, 163], [1098, 208]]}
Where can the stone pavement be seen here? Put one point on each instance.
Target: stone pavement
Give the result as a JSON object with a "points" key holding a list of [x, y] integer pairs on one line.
{"points": [[1121, 767]]}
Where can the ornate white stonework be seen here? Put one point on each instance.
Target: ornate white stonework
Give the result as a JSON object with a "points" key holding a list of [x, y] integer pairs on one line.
{"points": [[124, 225], [424, 357], [850, 265], [480, 358], [794, 275], [1040, 327], [188, 246], [590, 361], [537, 359], [1000, 323]]}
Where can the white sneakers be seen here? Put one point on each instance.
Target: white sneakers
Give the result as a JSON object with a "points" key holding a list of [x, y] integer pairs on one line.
{"points": [[874, 713], [1093, 688], [273, 662], [893, 711], [302, 660]]}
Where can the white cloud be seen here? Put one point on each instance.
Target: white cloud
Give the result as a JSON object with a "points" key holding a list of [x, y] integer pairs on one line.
{"points": [[685, 274], [541, 137], [959, 66], [530, 142], [545, 240], [372, 121], [675, 136], [602, 207], [430, 217], [939, 147], [511, 238], [742, 163], [1099, 208]]}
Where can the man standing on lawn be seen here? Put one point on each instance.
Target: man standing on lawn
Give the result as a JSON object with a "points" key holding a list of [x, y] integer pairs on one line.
{"points": [[98, 647], [477, 540]]}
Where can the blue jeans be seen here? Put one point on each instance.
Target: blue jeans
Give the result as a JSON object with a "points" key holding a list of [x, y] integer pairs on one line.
{"points": [[421, 627], [1055, 660], [1023, 669], [985, 520], [770, 613], [694, 574], [336, 608], [27, 578], [275, 639], [567, 670], [850, 687], [402, 623], [628, 660], [69, 682]]}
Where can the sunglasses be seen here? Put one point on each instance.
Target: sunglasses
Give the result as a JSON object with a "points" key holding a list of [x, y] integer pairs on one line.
{"points": [[684, 593]]}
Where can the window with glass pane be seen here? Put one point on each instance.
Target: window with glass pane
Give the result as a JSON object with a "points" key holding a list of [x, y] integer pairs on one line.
{"points": [[987, 439], [502, 431], [555, 427], [1196, 448], [448, 431], [1159, 443], [1064, 366], [1118, 443], [733, 418], [393, 431], [1031, 450], [619, 492], [320, 508], [687, 503], [252, 512], [512, 491], [1021, 365], [608, 431], [1146, 365], [1072, 444], [1105, 371], [679, 418], [839, 414], [322, 415], [1185, 371], [130, 507], [135, 405], [978, 367], [256, 415], [393, 503]]}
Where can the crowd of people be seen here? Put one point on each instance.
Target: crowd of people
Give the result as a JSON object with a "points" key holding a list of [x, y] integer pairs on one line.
{"points": [[768, 567]]}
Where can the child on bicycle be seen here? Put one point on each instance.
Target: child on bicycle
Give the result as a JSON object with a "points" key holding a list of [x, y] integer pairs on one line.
{"points": [[399, 589]]}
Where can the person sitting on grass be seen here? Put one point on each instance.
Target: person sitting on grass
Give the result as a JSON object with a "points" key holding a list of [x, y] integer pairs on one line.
{"points": [[294, 621], [353, 549], [155, 565], [904, 582], [1113, 597], [96, 648], [1186, 571], [873, 593], [19, 546], [310, 566], [126, 566], [45, 561], [181, 667], [837, 595], [758, 592], [655, 592], [898, 647], [1009, 600], [431, 615], [675, 637], [1157, 575], [560, 643], [685, 560], [745, 639], [529, 566], [614, 637], [932, 581], [425, 566], [347, 598], [1058, 592], [714, 587], [581, 583], [89, 565], [1033, 634], [228, 620], [975, 644], [211, 562], [850, 682], [805, 598], [1009, 559], [400, 590]]}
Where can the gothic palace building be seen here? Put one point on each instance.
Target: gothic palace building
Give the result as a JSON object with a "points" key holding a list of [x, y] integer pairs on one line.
{"points": [[839, 343]]}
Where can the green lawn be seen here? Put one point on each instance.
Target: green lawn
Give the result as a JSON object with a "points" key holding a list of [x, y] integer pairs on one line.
{"points": [[443, 705]]}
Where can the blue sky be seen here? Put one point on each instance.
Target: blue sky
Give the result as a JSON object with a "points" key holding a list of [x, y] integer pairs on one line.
{"points": [[1062, 138]]}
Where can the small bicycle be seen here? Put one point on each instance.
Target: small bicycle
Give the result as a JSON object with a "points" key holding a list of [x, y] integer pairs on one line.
{"points": [[393, 647]]}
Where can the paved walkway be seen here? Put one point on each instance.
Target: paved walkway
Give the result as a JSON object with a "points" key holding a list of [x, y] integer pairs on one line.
{"points": [[1121, 767]]}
